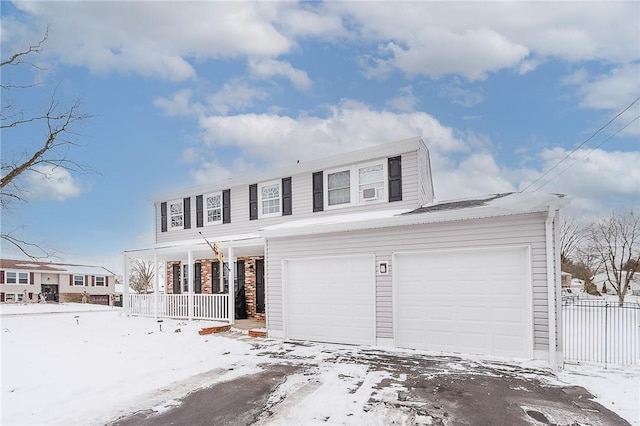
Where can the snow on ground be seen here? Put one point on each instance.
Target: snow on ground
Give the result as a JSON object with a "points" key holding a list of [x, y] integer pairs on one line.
{"points": [[88, 364]]}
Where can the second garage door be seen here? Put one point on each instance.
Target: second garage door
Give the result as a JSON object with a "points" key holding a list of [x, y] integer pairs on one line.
{"points": [[470, 301], [330, 299]]}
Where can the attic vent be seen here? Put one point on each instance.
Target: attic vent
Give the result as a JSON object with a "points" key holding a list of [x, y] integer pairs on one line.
{"points": [[369, 194]]}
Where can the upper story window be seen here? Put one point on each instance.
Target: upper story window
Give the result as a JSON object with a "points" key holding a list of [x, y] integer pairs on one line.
{"points": [[370, 182], [339, 187], [269, 199], [78, 280], [13, 277], [100, 281], [176, 217], [213, 206], [359, 184]]}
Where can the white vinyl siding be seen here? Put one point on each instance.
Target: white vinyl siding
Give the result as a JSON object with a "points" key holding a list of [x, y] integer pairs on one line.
{"points": [[301, 201], [514, 230]]}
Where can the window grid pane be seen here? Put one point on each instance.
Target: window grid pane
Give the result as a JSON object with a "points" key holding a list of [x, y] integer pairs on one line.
{"points": [[270, 199], [214, 209], [176, 215], [339, 190]]}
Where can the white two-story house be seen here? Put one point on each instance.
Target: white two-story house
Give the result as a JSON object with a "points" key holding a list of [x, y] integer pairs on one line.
{"points": [[353, 249]]}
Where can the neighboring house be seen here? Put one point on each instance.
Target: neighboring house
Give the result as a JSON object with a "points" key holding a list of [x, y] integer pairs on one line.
{"points": [[602, 282], [27, 279], [353, 249]]}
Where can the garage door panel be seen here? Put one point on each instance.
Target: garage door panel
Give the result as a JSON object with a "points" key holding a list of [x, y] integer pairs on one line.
{"points": [[473, 301], [331, 299]]}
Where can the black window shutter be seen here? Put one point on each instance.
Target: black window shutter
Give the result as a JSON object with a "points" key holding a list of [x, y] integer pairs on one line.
{"points": [[199, 212], [163, 217], [197, 277], [395, 179], [215, 277], [318, 201], [253, 201], [187, 213], [226, 206], [286, 196]]}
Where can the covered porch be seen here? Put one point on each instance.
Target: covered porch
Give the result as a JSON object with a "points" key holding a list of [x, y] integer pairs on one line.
{"points": [[191, 280]]}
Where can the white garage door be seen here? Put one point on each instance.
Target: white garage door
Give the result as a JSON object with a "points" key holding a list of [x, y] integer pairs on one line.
{"points": [[330, 299], [470, 301]]}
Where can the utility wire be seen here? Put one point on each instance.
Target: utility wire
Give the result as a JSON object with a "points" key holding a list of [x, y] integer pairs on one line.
{"points": [[584, 142], [588, 153]]}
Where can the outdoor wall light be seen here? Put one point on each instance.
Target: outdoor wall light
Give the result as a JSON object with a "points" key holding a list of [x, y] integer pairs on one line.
{"points": [[383, 268]]}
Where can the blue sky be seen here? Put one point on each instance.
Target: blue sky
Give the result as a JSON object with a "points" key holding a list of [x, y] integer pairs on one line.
{"points": [[184, 93]]}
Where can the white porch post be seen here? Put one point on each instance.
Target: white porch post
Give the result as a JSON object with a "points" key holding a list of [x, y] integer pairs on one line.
{"points": [[125, 283], [232, 287], [156, 285], [190, 283]]}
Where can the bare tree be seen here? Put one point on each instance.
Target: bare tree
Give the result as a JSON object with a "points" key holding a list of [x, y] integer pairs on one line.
{"points": [[572, 237], [615, 240], [141, 275], [21, 156]]}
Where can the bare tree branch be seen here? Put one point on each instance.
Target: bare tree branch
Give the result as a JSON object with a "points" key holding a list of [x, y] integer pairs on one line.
{"points": [[56, 122]]}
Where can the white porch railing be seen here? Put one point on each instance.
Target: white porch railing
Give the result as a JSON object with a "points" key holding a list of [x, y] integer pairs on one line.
{"points": [[205, 306]]}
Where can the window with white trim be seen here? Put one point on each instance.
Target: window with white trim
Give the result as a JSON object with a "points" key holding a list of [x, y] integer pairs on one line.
{"points": [[269, 199], [213, 208], [339, 188], [176, 218], [357, 185], [78, 280], [100, 281], [15, 277], [370, 182]]}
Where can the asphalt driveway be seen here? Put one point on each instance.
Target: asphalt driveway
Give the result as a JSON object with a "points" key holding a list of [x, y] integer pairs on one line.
{"points": [[394, 388]]}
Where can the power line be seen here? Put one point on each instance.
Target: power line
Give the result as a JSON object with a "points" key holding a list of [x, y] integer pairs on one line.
{"points": [[588, 153], [584, 142]]}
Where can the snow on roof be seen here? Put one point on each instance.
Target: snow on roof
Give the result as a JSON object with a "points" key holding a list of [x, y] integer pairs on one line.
{"points": [[493, 205], [52, 267]]}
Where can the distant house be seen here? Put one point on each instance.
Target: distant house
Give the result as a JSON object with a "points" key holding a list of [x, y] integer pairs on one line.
{"points": [[604, 285], [25, 280], [354, 249]]}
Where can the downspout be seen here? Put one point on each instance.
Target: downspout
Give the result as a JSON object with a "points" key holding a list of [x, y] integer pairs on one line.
{"points": [[551, 286]]}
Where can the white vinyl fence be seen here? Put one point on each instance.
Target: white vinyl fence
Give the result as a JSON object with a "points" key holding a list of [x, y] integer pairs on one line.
{"points": [[601, 331], [205, 306]]}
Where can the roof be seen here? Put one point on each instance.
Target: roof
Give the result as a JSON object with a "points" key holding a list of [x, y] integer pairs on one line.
{"points": [[494, 205], [361, 155], [52, 267]]}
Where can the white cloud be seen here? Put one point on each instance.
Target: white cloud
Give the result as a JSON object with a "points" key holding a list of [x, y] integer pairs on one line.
{"points": [[51, 183], [266, 68], [612, 91], [613, 178], [178, 105], [155, 39], [476, 38], [405, 101], [235, 95], [477, 174], [278, 140]]}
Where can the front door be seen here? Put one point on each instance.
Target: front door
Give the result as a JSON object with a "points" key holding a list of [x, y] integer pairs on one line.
{"points": [[259, 286], [240, 299]]}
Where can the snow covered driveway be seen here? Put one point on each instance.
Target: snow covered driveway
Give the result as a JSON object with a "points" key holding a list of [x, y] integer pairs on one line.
{"points": [[91, 368]]}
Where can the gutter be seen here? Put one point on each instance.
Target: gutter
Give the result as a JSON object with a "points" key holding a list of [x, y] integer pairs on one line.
{"points": [[551, 299]]}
